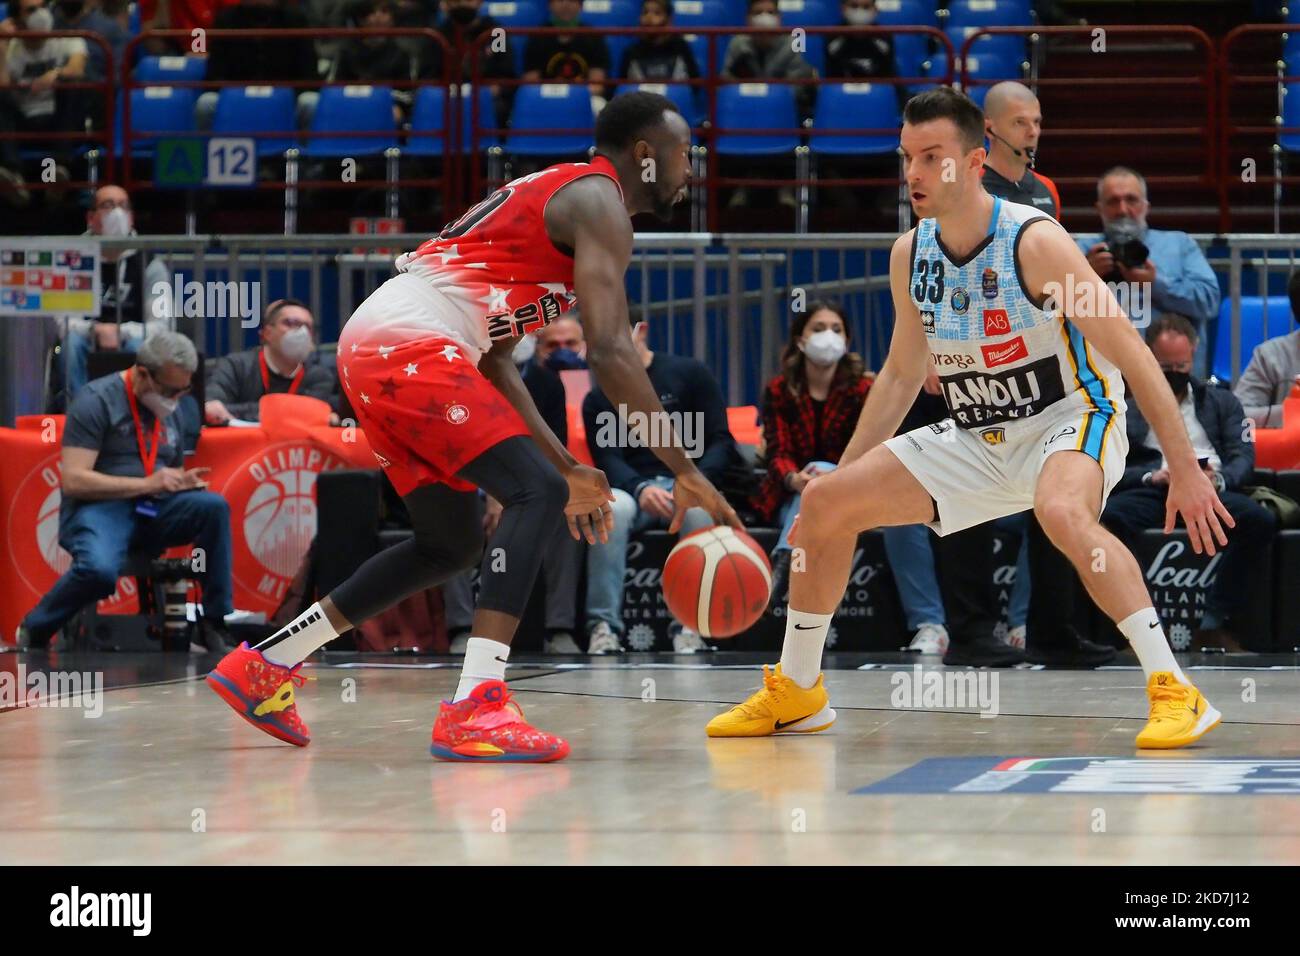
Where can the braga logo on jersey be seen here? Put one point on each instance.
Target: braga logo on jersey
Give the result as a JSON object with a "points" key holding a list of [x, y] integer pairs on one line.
{"points": [[981, 398], [1004, 353]]}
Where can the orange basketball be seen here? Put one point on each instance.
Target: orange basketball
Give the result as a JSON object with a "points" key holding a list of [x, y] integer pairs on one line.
{"points": [[717, 581]]}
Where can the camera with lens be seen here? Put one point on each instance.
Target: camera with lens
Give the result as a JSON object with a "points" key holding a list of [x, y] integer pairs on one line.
{"points": [[1124, 242]]}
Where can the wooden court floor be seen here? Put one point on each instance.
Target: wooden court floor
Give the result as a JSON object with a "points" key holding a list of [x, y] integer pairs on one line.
{"points": [[166, 774]]}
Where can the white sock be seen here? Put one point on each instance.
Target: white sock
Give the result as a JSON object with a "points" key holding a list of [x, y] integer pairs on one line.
{"points": [[801, 654], [484, 660], [299, 639], [1147, 637]]}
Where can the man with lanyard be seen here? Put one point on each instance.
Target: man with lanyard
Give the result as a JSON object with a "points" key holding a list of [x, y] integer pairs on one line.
{"points": [[236, 383], [126, 491], [1013, 121]]}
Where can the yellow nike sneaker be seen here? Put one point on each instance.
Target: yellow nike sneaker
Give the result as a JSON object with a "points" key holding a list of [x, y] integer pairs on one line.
{"points": [[1180, 715], [781, 707]]}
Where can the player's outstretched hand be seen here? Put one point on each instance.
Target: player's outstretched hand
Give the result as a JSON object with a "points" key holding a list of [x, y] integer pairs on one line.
{"points": [[589, 512], [1192, 495], [693, 490]]}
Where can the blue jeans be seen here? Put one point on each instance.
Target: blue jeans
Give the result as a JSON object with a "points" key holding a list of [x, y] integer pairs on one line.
{"points": [[100, 535], [77, 347], [911, 559], [790, 510], [1018, 603], [607, 563]]}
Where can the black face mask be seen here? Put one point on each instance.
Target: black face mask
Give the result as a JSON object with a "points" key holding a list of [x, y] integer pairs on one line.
{"points": [[1178, 381], [463, 15]]}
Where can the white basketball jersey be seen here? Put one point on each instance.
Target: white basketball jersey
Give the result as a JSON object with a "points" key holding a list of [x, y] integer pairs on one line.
{"points": [[1001, 357]]}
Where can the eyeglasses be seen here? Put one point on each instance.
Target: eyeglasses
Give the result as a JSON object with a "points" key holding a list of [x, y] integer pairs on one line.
{"points": [[168, 391]]}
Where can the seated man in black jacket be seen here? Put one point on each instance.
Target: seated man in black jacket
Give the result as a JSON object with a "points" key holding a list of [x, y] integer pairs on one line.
{"points": [[643, 487], [1215, 423], [236, 383]]}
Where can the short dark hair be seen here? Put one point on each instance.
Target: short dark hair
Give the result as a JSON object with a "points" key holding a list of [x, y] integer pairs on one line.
{"points": [[279, 305], [1293, 293], [1171, 322], [943, 102], [752, 3], [666, 4], [628, 117]]}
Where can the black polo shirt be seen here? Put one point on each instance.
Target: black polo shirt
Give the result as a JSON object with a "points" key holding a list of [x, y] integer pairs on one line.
{"points": [[1030, 191]]}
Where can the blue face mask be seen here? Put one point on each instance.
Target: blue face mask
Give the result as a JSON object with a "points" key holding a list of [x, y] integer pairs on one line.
{"points": [[562, 359]]}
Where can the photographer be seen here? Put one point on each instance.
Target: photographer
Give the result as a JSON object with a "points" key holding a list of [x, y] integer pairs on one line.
{"points": [[1165, 269]]}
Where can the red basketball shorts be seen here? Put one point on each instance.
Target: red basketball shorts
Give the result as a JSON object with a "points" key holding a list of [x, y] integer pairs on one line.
{"points": [[426, 409]]}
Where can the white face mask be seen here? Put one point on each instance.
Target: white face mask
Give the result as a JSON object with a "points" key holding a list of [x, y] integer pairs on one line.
{"points": [[162, 407], [40, 20], [858, 17], [296, 345], [764, 20], [825, 347], [524, 350], [115, 223]]}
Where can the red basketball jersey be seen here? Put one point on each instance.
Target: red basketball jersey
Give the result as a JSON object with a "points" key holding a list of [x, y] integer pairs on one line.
{"points": [[497, 271]]}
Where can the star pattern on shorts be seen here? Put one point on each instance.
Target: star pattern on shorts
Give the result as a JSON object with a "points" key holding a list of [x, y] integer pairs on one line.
{"points": [[449, 254], [434, 407], [365, 398], [388, 388], [450, 352], [411, 369], [354, 348], [385, 349], [496, 299]]}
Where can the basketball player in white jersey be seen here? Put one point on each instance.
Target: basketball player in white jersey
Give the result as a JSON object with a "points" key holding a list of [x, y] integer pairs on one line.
{"points": [[1030, 347]]}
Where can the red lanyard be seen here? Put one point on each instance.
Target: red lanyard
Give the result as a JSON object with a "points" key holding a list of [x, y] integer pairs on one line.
{"points": [[266, 375], [147, 455]]}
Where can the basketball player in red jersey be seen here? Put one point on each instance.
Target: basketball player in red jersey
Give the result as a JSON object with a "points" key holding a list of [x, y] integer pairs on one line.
{"points": [[426, 362]]}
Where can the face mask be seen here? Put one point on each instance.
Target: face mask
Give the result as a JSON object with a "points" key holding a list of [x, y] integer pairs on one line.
{"points": [[116, 223], [162, 407], [764, 20], [562, 359], [296, 345], [825, 347], [1178, 381], [463, 15], [858, 17], [40, 20], [524, 350]]}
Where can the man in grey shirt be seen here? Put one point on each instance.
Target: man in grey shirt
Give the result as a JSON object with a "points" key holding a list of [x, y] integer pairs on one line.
{"points": [[125, 489], [1274, 370]]}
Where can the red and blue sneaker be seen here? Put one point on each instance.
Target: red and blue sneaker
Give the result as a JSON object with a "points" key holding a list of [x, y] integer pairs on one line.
{"points": [[261, 692], [488, 726]]}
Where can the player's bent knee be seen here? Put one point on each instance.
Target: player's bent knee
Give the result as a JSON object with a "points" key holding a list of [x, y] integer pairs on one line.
{"points": [[818, 513], [1063, 519]]}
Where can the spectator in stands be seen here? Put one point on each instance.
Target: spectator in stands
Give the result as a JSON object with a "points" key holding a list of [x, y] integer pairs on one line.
{"points": [[90, 15], [561, 346], [466, 22], [566, 57], [561, 555], [135, 298], [769, 57], [187, 15], [659, 57], [1014, 121], [126, 490], [369, 58], [809, 412], [1174, 268], [41, 66], [643, 488], [1273, 374], [852, 56], [284, 362], [1214, 419], [264, 59]]}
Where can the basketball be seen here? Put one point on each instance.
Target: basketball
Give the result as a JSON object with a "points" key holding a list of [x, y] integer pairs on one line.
{"points": [[717, 581]]}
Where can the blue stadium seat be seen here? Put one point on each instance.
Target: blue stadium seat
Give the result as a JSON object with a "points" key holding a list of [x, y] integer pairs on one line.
{"points": [[756, 106], [428, 116], [912, 13], [856, 106], [815, 52], [989, 13], [171, 69], [809, 13], [516, 13], [159, 110], [984, 67], [617, 45], [703, 13], [1291, 117], [133, 22], [352, 109], [610, 13], [1005, 47], [683, 97], [542, 106], [244, 110], [1252, 329]]}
